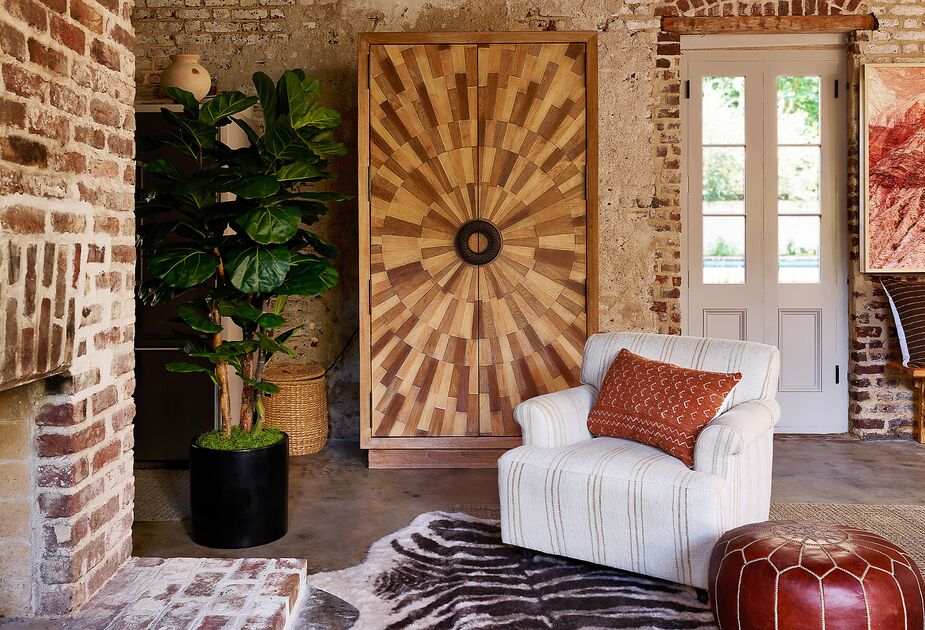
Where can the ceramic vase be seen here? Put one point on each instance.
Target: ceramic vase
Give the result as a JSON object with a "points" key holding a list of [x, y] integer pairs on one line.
{"points": [[185, 72]]}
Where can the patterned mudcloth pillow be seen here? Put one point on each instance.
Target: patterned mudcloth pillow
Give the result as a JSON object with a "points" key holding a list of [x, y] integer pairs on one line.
{"points": [[907, 301], [658, 404]]}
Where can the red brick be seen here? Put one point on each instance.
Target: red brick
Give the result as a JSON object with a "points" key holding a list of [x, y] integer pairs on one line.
{"points": [[122, 37], [67, 99], [107, 454], [63, 475], [63, 504], [72, 162], [105, 54], [22, 82], [12, 113], [22, 220], [24, 151], [46, 57], [79, 528], [123, 254], [29, 12], [103, 514], [123, 417], [12, 41], [68, 222], [96, 138], [106, 225], [104, 399], [105, 113], [61, 414], [282, 584], [68, 34], [87, 15], [47, 125], [56, 444]]}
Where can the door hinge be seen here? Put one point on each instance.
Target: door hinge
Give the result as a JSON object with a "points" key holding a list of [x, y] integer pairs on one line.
{"points": [[369, 297], [837, 374], [836, 88], [368, 70], [369, 190], [687, 88], [587, 185]]}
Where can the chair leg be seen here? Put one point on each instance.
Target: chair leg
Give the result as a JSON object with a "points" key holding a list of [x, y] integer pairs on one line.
{"points": [[702, 596]]}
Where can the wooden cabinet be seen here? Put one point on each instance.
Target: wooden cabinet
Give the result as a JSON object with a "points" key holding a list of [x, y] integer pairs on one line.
{"points": [[477, 236]]}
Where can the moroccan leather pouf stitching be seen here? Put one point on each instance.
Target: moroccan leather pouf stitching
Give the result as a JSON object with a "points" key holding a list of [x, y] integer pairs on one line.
{"points": [[792, 575]]}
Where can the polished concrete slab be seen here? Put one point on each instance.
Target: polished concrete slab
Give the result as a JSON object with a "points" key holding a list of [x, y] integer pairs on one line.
{"points": [[338, 507]]}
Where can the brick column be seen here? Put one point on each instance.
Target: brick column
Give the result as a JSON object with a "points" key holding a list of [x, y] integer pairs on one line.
{"points": [[67, 261]]}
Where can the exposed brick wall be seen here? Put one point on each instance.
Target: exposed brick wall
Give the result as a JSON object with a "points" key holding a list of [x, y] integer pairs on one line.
{"points": [[640, 171], [67, 261]]}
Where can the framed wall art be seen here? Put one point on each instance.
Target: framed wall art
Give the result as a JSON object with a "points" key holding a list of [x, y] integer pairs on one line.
{"points": [[893, 168]]}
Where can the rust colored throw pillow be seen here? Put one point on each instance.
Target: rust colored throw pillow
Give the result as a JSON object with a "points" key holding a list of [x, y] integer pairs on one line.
{"points": [[658, 404], [907, 301]]}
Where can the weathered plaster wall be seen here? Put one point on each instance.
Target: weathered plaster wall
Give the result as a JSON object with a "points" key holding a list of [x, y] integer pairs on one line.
{"points": [[640, 216]]}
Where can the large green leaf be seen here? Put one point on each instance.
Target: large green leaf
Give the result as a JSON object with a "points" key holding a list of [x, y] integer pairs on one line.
{"points": [[270, 320], [248, 130], [308, 276], [199, 134], [272, 346], [197, 320], [258, 269], [324, 247], [224, 105], [239, 309], [279, 140], [180, 366], [276, 224], [299, 170], [160, 166], [319, 117], [256, 187], [183, 267], [266, 92], [184, 98], [298, 100]]}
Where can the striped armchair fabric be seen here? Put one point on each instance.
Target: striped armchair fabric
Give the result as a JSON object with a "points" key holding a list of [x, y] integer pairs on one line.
{"points": [[627, 505]]}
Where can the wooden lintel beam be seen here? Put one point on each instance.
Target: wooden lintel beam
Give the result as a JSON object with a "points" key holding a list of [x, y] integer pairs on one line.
{"points": [[754, 25]]}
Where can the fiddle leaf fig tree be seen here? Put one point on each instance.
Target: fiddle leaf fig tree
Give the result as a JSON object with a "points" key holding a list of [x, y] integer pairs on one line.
{"points": [[243, 254]]}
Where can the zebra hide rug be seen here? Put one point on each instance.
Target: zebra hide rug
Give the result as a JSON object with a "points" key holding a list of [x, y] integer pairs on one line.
{"points": [[447, 571]]}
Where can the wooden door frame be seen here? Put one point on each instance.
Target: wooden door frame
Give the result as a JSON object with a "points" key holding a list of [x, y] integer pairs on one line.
{"points": [[589, 38]]}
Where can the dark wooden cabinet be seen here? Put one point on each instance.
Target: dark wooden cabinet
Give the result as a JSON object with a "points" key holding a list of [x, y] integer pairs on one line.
{"points": [[171, 408]]}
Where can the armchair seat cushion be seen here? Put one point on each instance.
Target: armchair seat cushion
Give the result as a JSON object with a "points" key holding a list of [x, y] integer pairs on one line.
{"points": [[614, 502], [658, 403]]}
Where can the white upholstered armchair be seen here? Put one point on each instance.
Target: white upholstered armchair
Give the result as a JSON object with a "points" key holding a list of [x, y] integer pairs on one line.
{"points": [[627, 505]]}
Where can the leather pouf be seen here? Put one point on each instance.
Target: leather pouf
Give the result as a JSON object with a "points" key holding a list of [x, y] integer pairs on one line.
{"points": [[789, 575]]}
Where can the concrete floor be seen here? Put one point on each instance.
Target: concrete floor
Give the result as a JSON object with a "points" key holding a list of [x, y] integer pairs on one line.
{"points": [[338, 507]]}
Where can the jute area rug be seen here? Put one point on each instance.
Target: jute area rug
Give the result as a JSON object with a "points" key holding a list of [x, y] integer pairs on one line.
{"points": [[451, 570]]}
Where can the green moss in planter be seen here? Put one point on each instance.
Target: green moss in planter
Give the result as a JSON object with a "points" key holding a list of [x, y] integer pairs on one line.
{"points": [[239, 440]]}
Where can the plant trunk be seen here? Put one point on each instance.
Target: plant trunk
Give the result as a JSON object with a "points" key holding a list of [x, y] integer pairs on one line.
{"points": [[221, 372], [247, 394]]}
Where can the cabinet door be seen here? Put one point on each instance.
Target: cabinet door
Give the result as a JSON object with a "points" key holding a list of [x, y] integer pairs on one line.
{"points": [[423, 298], [532, 150]]}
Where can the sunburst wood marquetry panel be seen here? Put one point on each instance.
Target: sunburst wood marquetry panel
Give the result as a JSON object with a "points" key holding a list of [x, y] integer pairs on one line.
{"points": [[460, 132], [532, 149], [423, 161]]}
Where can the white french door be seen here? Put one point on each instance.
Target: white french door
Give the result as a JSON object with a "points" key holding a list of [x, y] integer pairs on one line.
{"points": [[765, 190]]}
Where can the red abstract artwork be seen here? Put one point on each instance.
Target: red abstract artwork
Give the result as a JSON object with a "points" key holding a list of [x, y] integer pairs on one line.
{"points": [[894, 123]]}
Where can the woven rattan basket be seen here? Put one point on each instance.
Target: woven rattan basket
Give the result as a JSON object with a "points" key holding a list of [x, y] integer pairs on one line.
{"points": [[300, 408]]}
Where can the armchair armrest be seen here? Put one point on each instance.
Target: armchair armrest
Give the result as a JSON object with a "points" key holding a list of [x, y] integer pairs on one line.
{"points": [[556, 419], [732, 433]]}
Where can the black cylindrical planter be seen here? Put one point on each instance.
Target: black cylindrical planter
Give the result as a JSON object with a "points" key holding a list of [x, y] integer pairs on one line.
{"points": [[239, 498]]}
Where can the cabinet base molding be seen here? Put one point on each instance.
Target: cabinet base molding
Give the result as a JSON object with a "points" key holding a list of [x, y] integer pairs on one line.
{"points": [[435, 458]]}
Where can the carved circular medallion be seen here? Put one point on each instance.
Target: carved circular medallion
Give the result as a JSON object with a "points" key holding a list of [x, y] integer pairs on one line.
{"points": [[478, 242]]}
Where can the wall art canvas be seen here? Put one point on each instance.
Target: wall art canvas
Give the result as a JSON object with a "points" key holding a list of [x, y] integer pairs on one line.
{"points": [[893, 168]]}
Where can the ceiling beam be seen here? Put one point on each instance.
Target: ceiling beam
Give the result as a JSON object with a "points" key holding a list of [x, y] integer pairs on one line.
{"points": [[754, 25]]}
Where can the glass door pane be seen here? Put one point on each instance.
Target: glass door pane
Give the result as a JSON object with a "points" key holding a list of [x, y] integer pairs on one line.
{"points": [[799, 181], [723, 177]]}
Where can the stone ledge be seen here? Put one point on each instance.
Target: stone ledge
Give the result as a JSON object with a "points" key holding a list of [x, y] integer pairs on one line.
{"points": [[198, 594]]}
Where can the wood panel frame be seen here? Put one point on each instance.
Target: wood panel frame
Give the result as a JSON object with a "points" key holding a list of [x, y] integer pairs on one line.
{"points": [[392, 447]]}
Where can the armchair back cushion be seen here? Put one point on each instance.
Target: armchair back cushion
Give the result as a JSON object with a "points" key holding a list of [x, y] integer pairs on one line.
{"points": [[658, 404], [758, 363]]}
